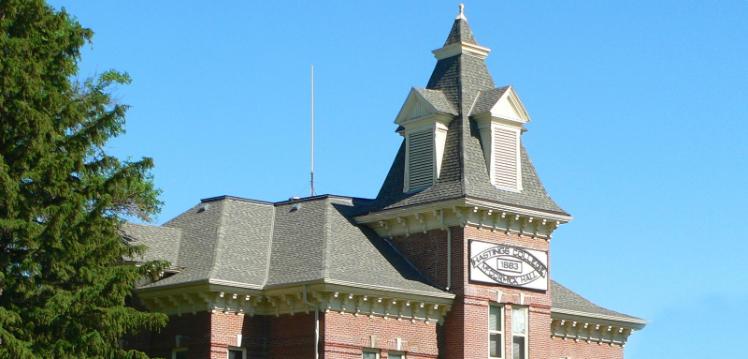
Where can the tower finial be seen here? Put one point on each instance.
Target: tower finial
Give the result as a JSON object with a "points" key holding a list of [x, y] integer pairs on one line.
{"points": [[462, 12]]}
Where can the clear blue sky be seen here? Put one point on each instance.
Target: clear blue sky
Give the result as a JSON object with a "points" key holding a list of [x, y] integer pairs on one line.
{"points": [[639, 126]]}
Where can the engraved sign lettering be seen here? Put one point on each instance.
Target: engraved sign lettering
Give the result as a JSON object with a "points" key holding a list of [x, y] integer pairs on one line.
{"points": [[508, 265]]}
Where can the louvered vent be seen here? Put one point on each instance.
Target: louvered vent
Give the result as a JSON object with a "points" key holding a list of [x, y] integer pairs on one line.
{"points": [[505, 157], [420, 160]]}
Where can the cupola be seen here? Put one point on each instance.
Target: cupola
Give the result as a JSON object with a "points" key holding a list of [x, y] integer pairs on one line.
{"points": [[462, 153]]}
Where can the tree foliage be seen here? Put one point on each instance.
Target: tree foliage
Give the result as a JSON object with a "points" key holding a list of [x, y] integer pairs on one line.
{"points": [[63, 280]]}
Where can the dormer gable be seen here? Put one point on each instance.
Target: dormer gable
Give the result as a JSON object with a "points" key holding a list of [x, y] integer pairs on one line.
{"points": [[501, 116], [501, 104], [423, 121], [424, 103]]}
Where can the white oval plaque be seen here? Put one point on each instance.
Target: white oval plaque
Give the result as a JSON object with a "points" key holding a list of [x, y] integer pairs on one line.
{"points": [[508, 265]]}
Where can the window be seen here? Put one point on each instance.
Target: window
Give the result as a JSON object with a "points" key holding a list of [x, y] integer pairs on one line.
{"points": [[395, 355], [237, 353], [495, 331], [179, 353], [370, 354], [519, 332], [420, 160]]}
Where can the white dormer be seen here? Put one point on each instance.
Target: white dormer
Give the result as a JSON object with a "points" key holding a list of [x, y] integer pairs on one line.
{"points": [[423, 120], [501, 117]]}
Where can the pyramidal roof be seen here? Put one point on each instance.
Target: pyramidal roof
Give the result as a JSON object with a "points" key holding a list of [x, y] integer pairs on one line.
{"points": [[460, 30], [462, 76]]}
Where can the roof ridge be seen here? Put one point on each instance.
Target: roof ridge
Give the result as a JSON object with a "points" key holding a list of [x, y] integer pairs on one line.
{"points": [[235, 198], [270, 248], [326, 239], [217, 248], [475, 100], [464, 127], [318, 197]]}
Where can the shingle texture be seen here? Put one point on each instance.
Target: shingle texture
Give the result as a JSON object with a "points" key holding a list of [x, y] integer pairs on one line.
{"points": [[487, 99], [162, 242], [260, 245], [465, 82], [437, 99], [564, 298], [460, 32]]}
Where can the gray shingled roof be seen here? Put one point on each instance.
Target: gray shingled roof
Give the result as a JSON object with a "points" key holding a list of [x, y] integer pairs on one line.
{"points": [[565, 299], [437, 99], [162, 242], [460, 32], [464, 80], [259, 245], [487, 99]]}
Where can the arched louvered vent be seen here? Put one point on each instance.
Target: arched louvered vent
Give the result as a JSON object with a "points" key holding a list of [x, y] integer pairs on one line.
{"points": [[505, 159], [420, 160]]}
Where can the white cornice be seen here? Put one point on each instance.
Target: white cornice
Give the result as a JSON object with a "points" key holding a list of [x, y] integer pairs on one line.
{"points": [[337, 296], [553, 216], [348, 286], [390, 291], [463, 212], [633, 323], [234, 284], [430, 121], [486, 119], [590, 331], [458, 48]]}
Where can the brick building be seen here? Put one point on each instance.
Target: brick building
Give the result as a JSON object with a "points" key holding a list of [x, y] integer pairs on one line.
{"points": [[450, 260]]}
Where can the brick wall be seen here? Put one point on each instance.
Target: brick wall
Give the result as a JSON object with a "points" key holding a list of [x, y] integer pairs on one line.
{"points": [[346, 335], [285, 336], [467, 321], [428, 252], [210, 335], [571, 349], [463, 335], [465, 331], [537, 302]]}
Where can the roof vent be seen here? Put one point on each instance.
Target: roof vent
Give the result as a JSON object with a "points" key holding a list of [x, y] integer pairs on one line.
{"points": [[295, 207], [203, 208]]}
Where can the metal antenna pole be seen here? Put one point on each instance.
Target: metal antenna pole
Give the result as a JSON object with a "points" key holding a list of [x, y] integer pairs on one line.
{"points": [[311, 172]]}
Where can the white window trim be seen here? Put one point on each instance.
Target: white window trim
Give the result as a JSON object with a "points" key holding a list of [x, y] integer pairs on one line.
{"points": [[518, 157], [243, 350], [527, 330], [174, 352], [370, 351], [500, 332]]}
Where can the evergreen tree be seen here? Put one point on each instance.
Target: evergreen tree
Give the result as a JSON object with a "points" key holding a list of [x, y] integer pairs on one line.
{"points": [[63, 280]]}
